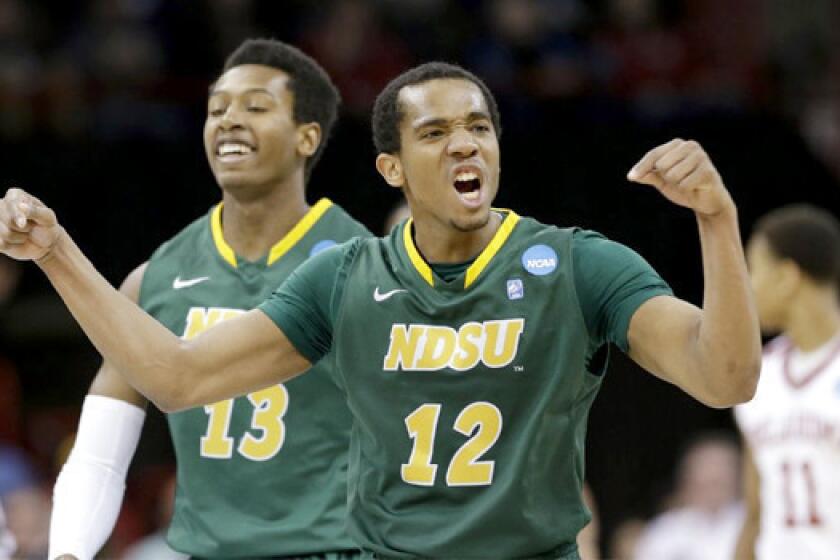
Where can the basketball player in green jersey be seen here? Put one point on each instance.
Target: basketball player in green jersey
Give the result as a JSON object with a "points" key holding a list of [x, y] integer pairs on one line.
{"points": [[263, 474], [463, 338]]}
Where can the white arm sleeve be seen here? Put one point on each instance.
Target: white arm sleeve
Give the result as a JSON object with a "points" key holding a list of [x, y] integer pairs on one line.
{"points": [[89, 490]]}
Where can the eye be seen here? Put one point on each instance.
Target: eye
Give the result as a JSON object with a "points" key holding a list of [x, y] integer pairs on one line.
{"points": [[257, 109], [481, 128], [215, 112], [432, 134]]}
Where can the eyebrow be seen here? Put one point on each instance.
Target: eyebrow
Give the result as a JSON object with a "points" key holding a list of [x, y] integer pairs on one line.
{"points": [[439, 121], [251, 90]]}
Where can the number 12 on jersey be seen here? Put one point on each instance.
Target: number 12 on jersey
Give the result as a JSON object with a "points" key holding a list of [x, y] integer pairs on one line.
{"points": [[480, 421]]}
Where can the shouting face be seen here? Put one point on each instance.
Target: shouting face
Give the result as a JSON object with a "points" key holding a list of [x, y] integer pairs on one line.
{"points": [[448, 163]]}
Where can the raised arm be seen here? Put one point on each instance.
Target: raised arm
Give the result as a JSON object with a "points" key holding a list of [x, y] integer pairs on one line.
{"points": [[233, 358], [713, 353]]}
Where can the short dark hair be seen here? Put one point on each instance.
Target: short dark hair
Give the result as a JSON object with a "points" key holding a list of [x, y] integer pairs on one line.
{"points": [[807, 235], [387, 112], [316, 98]]}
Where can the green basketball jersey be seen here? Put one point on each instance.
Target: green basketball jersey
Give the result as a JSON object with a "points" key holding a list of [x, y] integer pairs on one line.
{"points": [[263, 474], [470, 397]]}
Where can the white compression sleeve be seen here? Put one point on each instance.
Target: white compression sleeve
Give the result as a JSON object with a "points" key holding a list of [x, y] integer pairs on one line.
{"points": [[89, 490]]}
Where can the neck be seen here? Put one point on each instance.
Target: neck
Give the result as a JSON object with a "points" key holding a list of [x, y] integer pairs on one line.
{"points": [[813, 321], [448, 245], [252, 226]]}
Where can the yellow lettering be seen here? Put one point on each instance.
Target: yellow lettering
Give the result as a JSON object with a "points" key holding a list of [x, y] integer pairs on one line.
{"points": [[500, 347], [440, 343], [429, 348], [469, 347], [403, 347]]}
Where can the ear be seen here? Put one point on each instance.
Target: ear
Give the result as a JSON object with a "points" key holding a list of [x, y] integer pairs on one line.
{"points": [[308, 139], [390, 167]]}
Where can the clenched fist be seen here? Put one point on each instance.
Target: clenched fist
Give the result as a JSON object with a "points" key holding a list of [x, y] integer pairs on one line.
{"points": [[685, 175], [28, 229]]}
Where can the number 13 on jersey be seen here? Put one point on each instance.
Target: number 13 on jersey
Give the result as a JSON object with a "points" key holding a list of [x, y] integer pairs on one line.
{"points": [[270, 405]]}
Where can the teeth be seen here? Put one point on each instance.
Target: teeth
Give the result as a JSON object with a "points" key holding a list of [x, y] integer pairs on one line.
{"points": [[470, 196], [234, 148], [466, 176]]}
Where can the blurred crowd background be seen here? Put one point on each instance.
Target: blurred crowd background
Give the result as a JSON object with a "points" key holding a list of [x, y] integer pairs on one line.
{"points": [[101, 108]]}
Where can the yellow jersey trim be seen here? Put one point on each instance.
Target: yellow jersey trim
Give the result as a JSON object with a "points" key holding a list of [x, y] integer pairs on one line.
{"points": [[278, 249], [481, 262], [296, 233], [483, 259], [414, 255], [225, 250]]}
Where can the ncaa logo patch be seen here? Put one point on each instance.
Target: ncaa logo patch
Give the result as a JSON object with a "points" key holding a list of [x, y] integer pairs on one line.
{"points": [[515, 289], [321, 245], [539, 260]]}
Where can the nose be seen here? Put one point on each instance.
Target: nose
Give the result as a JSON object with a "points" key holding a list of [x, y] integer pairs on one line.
{"points": [[230, 119], [462, 144]]}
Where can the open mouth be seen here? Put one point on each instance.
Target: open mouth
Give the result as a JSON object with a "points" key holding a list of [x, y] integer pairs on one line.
{"points": [[468, 185], [229, 152]]}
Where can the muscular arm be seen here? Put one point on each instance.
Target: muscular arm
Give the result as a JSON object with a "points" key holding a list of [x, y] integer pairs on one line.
{"points": [[745, 548], [233, 358], [713, 353]]}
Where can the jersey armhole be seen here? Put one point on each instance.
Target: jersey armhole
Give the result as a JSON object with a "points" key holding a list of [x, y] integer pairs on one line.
{"points": [[342, 277], [600, 353]]}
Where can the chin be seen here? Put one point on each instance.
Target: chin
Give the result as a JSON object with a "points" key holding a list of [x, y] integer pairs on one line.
{"points": [[234, 181], [472, 223]]}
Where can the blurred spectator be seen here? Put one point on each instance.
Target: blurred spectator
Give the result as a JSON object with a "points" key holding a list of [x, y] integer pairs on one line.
{"points": [[357, 51], [26, 504], [19, 71], [705, 516], [7, 540], [820, 119], [649, 59], [532, 50], [800, 40], [28, 517]]}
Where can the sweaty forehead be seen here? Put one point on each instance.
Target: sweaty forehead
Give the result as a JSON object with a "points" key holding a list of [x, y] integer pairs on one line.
{"points": [[248, 77], [448, 99]]}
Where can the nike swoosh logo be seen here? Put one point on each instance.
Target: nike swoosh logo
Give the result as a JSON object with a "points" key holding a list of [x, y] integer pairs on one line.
{"points": [[179, 284], [382, 297]]}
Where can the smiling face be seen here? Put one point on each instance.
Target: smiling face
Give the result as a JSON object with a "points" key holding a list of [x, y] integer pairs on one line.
{"points": [[448, 163], [250, 136]]}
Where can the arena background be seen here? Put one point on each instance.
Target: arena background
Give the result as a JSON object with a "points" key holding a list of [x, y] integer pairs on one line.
{"points": [[102, 105]]}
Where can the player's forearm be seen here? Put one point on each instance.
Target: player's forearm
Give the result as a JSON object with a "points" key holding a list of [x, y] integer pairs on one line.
{"points": [[144, 351], [728, 346]]}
